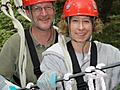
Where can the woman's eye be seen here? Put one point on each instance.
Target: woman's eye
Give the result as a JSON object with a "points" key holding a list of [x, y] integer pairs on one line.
{"points": [[75, 20], [86, 21]]}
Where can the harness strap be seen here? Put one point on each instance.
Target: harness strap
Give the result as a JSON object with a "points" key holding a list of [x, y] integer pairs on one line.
{"points": [[93, 56], [56, 38], [33, 54], [81, 84]]}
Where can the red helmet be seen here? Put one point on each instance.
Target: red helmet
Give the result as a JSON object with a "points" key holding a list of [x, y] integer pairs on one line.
{"points": [[31, 2], [80, 7]]}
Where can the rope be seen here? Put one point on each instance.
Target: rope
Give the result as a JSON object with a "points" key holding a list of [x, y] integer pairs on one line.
{"points": [[91, 76], [83, 73], [62, 42], [6, 8], [69, 82], [98, 75], [67, 59], [18, 4]]}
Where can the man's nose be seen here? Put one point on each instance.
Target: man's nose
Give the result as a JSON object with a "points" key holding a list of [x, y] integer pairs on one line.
{"points": [[43, 12]]}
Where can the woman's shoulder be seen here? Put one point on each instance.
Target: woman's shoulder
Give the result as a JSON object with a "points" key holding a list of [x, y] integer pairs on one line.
{"points": [[106, 47]]}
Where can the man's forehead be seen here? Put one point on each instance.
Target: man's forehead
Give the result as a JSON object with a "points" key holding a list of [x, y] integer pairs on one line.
{"points": [[43, 3]]}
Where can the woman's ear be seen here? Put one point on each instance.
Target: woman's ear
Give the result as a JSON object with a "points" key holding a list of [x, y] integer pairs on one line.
{"points": [[62, 26], [98, 25]]}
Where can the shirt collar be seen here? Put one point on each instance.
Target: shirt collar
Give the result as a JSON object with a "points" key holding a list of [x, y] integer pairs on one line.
{"points": [[51, 42]]}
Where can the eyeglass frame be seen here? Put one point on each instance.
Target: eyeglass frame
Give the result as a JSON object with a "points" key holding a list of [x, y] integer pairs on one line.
{"points": [[40, 9]]}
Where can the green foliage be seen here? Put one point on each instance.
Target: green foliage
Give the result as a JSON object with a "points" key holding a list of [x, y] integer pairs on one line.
{"points": [[118, 88], [5, 22], [114, 18], [115, 8], [24, 22], [110, 34], [7, 27], [4, 35], [59, 10], [108, 8]]}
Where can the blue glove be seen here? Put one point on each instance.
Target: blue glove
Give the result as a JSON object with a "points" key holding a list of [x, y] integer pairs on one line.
{"points": [[12, 88], [53, 79], [47, 81]]}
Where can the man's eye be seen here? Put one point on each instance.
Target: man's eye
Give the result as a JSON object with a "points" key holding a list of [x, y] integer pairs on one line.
{"points": [[48, 8], [36, 8], [41, 8]]}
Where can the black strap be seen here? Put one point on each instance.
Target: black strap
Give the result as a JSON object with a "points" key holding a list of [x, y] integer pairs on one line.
{"points": [[56, 37], [81, 84], [33, 53], [16, 80], [93, 57]]}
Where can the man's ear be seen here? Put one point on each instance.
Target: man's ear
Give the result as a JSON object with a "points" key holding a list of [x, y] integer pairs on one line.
{"points": [[28, 13]]}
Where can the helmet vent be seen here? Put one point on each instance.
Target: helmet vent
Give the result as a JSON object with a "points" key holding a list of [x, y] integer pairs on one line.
{"points": [[94, 6], [68, 7]]}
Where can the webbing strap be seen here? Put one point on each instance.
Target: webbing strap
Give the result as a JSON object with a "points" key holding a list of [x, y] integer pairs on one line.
{"points": [[33, 54], [81, 84], [93, 56]]}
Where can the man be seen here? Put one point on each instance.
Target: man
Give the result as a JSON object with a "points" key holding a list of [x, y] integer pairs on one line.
{"points": [[41, 35]]}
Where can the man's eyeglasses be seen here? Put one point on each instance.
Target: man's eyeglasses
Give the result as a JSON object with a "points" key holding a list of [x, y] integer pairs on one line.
{"points": [[39, 8]]}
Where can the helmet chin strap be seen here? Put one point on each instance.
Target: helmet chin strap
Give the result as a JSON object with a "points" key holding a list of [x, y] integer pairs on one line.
{"points": [[89, 39]]}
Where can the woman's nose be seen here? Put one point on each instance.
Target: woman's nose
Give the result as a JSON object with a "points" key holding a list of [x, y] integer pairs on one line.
{"points": [[81, 26]]}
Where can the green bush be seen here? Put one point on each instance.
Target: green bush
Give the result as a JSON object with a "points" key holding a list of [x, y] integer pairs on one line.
{"points": [[118, 88], [7, 27], [110, 34]]}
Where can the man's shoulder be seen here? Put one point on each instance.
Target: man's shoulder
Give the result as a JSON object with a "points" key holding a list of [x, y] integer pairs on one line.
{"points": [[13, 40], [14, 37]]}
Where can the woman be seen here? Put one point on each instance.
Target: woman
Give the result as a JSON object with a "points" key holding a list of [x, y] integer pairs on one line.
{"points": [[80, 16]]}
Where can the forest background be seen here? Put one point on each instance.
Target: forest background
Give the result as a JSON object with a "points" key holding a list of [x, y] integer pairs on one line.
{"points": [[109, 13]]}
